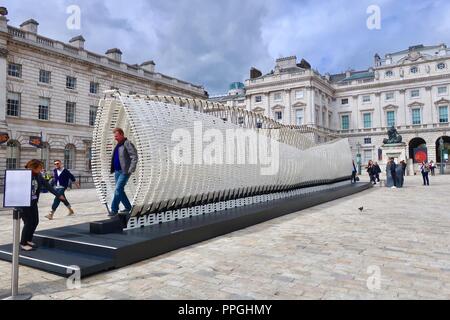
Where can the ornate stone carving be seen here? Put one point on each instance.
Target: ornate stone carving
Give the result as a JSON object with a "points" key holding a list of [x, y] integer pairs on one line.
{"points": [[3, 52]]}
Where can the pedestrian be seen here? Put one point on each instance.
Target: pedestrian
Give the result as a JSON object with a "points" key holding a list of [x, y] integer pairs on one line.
{"points": [[61, 179], [354, 171], [393, 169], [371, 172], [123, 164], [400, 174], [30, 216], [432, 168], [425, 170], [377, 171]]}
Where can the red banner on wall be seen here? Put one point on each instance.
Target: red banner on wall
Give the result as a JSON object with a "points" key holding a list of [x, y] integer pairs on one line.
{"points": [[421, 155]]}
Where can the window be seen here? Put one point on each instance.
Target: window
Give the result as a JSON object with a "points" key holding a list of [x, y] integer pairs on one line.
{"points": [[71, 83], [344, 101], [390, 96], [366, 99], [278, 115], [13, 104], [44, 105], [70, 112], [367, 120], [89, 159], [45, 76], [389, 74], [12, 155], [443, 114], [69, 157], [414, 70], [441, 66], [324, 119], [92, 115], [93, 88], [415, 93], [299, 116], [345, 122], [416, 117], [390, 118], [258, 99], [367, 156], [277, 97], [299, 94], [15, 70], [367, 140], [442, 90]]}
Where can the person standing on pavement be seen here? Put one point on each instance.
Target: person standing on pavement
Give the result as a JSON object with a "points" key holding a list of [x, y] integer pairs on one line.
{"points": [[30, 216], [123, 164], [425, 170], [61, 180], [371, 172], [377, 171], [354, 172]]}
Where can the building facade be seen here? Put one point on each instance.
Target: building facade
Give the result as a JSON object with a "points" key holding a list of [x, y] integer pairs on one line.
{"points": [[408, 90], [50, 90]]}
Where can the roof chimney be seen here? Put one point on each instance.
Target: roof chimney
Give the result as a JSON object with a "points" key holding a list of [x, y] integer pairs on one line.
{"points": [[30, 26], [148, 66], [3, 19], [114, 54], [255, 73], [78, 42]]}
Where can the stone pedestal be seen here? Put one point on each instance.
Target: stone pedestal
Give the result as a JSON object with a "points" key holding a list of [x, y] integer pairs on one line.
{"points": [[398, 151]]}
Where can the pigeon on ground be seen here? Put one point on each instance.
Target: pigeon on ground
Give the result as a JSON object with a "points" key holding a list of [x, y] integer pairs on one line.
{"points": [[361, 209]]}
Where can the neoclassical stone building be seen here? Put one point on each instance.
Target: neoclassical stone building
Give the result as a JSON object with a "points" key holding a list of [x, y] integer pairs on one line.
{"points": [[51, 89], [408, 90]]}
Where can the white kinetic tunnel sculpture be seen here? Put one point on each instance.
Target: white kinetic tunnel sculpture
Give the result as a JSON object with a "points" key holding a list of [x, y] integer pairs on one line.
{"points": [[159, 125]]}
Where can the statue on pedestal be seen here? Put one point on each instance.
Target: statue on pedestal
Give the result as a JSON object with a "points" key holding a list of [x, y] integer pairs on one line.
{"points": [[394, 137]]}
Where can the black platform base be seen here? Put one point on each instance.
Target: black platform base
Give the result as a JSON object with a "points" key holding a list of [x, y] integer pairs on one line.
{"points": [[64, 250]]}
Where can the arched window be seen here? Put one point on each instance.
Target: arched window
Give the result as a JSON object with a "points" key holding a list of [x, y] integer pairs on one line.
{"points": [[69, 157], [389, 73], [45, 153], [441, 66], [12, 155]]}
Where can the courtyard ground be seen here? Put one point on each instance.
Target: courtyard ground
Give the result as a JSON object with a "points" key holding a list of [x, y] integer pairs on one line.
{"points": [[397, 248]]}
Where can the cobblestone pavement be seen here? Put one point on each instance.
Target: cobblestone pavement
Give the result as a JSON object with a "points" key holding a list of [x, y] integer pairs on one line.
{"points": [[331, 251]]}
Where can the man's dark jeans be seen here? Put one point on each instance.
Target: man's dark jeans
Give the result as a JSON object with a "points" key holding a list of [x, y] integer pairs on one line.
{"points": [[57, 202]]}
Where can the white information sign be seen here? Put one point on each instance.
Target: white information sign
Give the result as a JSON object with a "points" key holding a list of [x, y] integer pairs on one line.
{"points": [[17, 189]]}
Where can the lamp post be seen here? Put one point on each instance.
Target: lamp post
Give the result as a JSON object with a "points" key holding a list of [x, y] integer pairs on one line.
{"points": [[358, 158], [441, 146]]}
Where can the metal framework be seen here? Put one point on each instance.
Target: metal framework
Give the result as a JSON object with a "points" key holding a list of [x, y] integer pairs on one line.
{"points": [[165, 190]]}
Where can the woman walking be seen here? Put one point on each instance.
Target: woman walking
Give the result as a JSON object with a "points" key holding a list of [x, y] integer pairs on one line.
{"points": [[30, 216], [371, 171]]}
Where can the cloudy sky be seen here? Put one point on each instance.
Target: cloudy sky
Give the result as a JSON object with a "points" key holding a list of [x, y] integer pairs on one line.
{"points": [[214, 43]]}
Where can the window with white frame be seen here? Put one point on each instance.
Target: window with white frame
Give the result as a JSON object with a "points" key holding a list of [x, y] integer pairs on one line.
{"points": [[443, 114], [345, 122], [277, 96], [299, 117], [390, 115], [414, 70], [13, 104], [441, 66], [389, 73], [15, 70], [69, 157], [92, 115], [367, 120], [442, 90], [366, 99], [415, 93], [93, 87], [70, 112], [344, 102], [12, 155], [390, 96], [44, 108], [45, 76], [258, 99], [416, 116], [367, 156], [71, 83], [299, 94], [367, 140], [278, 115]]}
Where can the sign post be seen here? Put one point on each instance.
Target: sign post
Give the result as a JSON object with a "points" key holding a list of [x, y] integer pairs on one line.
{"points": [[17, 194]]}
